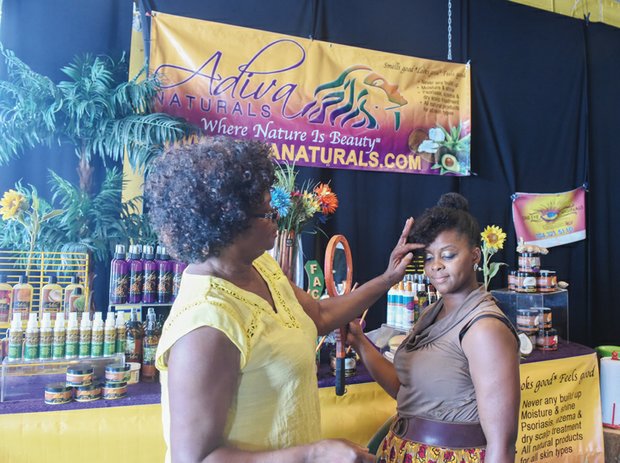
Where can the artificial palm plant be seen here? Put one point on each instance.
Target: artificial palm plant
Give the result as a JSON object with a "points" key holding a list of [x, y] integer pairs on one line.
{"points": [[95, 110]]}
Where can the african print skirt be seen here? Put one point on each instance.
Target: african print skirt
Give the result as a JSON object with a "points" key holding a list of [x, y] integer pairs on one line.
{"points": [[394, 449]]}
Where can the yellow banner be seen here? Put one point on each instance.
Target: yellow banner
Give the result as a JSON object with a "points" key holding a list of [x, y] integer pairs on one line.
{"points": [[560, 417], [320, 104]]}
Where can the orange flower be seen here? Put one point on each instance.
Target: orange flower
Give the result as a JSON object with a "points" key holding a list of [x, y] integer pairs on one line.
{"points": [[327, 198]]}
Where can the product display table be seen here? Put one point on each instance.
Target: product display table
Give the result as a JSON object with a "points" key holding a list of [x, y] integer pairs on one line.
{"points": [[130, 429]]}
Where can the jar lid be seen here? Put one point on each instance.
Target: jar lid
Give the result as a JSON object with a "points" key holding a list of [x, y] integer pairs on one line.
{"points": [[547, 272], [527, 254], [81, 369], [57, 387], [541, 309], [549, 332], [117, 367], [530, 311], [90, 387], [112, 385]]}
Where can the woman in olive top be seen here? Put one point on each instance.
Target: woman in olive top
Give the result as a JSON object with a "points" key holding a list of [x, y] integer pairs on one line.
{"points": [[455, 377]]}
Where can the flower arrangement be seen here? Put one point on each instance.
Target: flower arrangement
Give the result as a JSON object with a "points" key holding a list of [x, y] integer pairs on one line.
{"points": [[24, 207], [493, 238], [300, 209]]}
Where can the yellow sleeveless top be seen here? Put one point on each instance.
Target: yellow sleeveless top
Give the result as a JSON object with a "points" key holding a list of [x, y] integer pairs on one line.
{"points": [[276, 404]]}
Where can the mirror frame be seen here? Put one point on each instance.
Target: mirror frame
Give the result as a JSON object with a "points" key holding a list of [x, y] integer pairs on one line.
{"points": [[330, 252]]}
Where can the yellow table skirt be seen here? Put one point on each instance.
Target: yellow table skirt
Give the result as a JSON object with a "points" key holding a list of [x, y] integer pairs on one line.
{"points": [[134, 433]]}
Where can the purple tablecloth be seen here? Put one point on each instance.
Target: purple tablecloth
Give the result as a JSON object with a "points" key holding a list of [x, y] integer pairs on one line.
{"points": [[150, 393]]}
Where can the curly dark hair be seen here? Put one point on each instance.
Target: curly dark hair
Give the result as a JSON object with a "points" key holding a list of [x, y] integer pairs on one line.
{"points": [[450, 213], [200, 196]]}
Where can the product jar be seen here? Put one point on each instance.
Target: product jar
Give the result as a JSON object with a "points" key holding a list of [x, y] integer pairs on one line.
{"points": [[512, 280], [547, 281], [526, 282], [88, 393], [58, 393], [350, 363], [544, 317], [527, 320], [547, 339], [113, 391], [80, 375], [117, 373], [529, 262]]}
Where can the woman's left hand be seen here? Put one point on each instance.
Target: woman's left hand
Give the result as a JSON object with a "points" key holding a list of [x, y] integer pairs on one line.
{"points": [[401, 256]]}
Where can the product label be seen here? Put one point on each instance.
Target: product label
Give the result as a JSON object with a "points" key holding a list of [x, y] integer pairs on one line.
{"points": [[84, 349], [97, 350], [150, 283], [71, 350], [5, 304], [50, 301], [58, 350], [119, 288], [149, 355], [133, 349], [31, 350], [45, 351], [15, 349], [109, 348], [135, 286]]}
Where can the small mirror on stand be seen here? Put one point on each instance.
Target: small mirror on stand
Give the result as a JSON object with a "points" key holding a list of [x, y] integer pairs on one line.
{"points": [[338, 281]]}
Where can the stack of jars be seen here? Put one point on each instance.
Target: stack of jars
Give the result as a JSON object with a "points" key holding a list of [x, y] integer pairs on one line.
{"points": [[530, 278], [537, 324]]}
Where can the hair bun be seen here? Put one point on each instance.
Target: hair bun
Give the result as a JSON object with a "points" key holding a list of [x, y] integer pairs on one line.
{"points": [[453, 201]]}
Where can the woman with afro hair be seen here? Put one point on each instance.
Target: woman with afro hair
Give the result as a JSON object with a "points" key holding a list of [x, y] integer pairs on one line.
{"points": [[455, 377], [236, 354]]}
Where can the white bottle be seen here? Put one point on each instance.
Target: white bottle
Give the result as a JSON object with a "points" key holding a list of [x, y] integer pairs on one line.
{"points": [[31, 344], [109, 336], [46, 337], [96, 345], [409, 303], [399, 319], [391, 306], [60, 335], [16, 338], [85, 336], [73, 337]]}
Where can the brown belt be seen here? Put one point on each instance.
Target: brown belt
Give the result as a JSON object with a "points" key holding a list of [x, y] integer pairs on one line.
{"points": [[440, 433]]}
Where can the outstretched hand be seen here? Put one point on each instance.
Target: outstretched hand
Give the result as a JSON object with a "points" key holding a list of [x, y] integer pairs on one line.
{"points": [[401, 256]]}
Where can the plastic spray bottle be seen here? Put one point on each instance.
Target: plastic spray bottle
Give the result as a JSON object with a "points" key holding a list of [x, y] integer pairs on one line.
{"points": [[46, 337], [149, 292], [121, 333], [85, 336], [119, 277], [96, 345], [109, 336], [72, 336], [136, 275], [31, 344], [16, 338], [151, 339], [60, 336]]}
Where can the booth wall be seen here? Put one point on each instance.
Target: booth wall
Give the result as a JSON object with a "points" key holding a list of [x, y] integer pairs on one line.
{"points": [[543, 104]]}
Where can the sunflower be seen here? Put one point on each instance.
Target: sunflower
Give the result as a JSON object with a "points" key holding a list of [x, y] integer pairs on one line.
{"points": [[11, 204], [494, 237], [327, 198]]}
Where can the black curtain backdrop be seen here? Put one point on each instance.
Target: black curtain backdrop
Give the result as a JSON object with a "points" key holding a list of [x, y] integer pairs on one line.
{"points": [[543, 102]]}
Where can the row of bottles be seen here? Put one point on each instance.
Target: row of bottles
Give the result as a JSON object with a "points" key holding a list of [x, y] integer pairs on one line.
{"points": [[407, 299], [54, 299], [86, 338], [143, 276]]}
